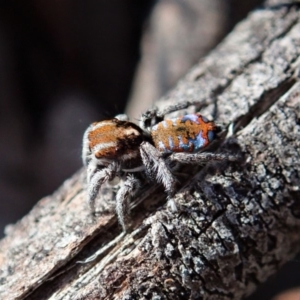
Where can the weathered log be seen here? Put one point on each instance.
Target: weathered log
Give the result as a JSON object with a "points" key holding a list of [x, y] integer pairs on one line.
{"points": [[236, 223]]}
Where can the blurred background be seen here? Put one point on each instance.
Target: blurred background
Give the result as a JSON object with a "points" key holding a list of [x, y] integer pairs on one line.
{"points": [[65, 64]]}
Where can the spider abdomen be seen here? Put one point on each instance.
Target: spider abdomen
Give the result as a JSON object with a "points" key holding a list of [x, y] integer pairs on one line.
{"points": [[189, 133]]}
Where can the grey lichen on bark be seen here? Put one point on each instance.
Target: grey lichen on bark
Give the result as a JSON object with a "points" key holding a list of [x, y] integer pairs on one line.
{"points": [[236, 223]]}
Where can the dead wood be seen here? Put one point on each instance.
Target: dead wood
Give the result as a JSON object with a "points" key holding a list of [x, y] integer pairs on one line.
{"points": [[236, 224]]}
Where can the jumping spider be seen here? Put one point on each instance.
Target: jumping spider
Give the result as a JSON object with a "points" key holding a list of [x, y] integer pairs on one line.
{"points": [[118, 147]]}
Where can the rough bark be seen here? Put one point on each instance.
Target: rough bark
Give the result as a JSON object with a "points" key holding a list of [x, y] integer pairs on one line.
{"points": [[236, 224]]}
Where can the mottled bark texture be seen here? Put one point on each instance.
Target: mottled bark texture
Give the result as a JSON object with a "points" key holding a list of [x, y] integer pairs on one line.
{"points": [[177, 35], [236, 223]]}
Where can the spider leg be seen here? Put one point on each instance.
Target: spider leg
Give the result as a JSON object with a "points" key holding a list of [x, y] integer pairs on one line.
{"points": [[96, 178], [128, 189], [152, 116], [184, 105], [200, 158], [156, 168]]}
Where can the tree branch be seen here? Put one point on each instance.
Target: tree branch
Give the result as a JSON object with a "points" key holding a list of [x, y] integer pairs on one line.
{"points": [[236, 224]]}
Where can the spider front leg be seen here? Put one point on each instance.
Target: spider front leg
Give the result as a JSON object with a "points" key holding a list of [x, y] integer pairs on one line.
{"points": [[150, 117], [156, 167], [153, 115], [96, 177], [128, 189]]}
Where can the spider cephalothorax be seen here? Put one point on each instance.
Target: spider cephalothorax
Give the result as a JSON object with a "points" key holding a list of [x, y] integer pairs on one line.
{"points": [[118, 147], [113, 140]]}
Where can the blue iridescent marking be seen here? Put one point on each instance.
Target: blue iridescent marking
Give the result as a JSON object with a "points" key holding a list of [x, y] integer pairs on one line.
{"points": [[171, 143], [185, 147], [210, 135], [204, 119], [192, 117], [197, 143]]}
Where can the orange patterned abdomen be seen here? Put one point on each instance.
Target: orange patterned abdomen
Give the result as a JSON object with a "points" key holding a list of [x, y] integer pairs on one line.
{"points": [[189, 133]]}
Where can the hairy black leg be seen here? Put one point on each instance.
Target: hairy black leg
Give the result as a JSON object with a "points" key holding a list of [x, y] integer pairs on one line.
{"points": [[156, 167], [97, 179], [128, 189]]}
